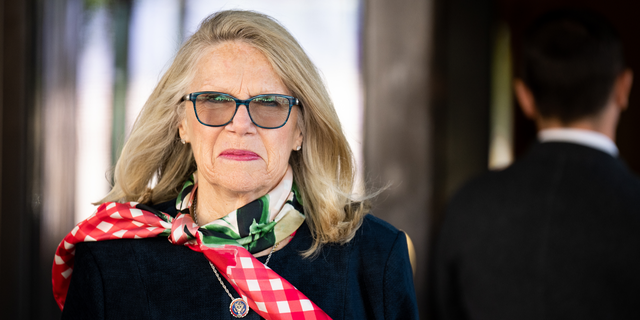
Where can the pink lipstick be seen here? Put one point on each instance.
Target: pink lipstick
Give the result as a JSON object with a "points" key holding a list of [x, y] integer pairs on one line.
{"points": [[239, 155]]}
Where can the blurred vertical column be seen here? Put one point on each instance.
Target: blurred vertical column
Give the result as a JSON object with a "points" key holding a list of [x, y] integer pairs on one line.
{"points": [[501, 112], [151, 48], [94, 85], [38, 146], [461, 105], [59, 46], [460, 100], [396, 44], [121, 17], [18, 221]]}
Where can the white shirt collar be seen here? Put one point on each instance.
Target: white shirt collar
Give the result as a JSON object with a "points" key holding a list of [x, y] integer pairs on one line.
{"points": [[583, 137]]}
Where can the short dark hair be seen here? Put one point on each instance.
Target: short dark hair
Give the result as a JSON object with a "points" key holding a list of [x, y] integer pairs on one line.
{"points": [[571, 59]]}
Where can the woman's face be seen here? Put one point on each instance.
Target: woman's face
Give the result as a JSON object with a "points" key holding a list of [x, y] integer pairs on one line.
{"points": [[239, 158]]}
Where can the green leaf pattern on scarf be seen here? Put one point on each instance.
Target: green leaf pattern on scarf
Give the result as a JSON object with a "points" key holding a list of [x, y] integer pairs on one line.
{"points": [[261, 233]]}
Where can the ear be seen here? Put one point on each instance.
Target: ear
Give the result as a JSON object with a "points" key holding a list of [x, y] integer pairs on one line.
{"points": [[297, 141], [182, 130], [525, 99], [622, 89]]}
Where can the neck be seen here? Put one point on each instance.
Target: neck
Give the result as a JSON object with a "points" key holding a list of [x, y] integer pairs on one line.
{"points": [[213, 203], [604, 122]]}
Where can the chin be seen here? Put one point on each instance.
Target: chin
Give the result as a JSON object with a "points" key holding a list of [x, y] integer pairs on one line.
{"points": [[242, 182]]}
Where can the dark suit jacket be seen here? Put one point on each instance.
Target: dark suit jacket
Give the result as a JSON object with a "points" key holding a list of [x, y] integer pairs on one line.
{"points": [[368, 278], [554, 236]]}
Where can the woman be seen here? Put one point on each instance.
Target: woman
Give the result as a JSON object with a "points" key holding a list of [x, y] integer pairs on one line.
{"points": [[251, 169]]}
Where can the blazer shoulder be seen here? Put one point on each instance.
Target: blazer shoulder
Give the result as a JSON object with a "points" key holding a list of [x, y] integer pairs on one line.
{"points": [[378, 237], [373, 226]]}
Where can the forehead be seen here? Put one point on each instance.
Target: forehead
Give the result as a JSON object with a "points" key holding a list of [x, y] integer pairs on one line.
{"points": [[236, 68]]}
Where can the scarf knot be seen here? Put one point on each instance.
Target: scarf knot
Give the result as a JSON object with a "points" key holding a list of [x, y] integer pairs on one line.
{"points": [[183, 229]]}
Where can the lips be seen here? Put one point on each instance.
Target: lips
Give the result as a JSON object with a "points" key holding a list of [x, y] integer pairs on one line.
{"points": [[239, 155]]}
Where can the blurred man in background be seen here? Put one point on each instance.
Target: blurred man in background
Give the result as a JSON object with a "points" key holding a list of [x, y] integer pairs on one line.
{"points": [[557, 234]]}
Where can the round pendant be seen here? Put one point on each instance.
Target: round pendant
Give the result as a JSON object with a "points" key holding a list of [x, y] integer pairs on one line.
{"points": [[239, 308]]}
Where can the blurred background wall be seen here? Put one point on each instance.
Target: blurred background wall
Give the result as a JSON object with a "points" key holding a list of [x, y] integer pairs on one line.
{"points": [[423, 88]]}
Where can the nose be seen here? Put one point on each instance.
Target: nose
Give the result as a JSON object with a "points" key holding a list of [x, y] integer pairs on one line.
{"points": [[241, 122]]}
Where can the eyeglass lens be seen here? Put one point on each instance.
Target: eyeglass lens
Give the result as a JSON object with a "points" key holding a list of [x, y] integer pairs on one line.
{"points": [[266, 110]]}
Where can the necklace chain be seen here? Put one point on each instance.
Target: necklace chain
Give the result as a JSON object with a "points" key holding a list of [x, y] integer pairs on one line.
{"points": [[195, 219], [220, 279]]}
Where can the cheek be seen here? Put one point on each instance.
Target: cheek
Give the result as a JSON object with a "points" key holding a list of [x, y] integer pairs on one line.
{"points": [[279, 151], [203, 144]]}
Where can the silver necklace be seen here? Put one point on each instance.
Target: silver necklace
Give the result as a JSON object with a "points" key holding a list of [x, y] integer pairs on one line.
{"points": [[238, 307]]}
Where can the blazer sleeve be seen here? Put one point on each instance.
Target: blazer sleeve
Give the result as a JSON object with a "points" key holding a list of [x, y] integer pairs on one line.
{"points": [[399, 293], [85, 298]]}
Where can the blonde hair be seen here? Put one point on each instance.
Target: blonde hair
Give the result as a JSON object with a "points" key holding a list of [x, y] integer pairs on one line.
{"points": [[323, 170]]}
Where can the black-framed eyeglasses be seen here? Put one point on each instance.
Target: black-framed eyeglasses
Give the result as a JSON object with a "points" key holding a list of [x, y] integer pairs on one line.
{"points": [[217, 109]]}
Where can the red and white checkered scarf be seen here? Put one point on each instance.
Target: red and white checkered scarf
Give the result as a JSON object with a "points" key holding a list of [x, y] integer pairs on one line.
{"points": [[266, 292]]}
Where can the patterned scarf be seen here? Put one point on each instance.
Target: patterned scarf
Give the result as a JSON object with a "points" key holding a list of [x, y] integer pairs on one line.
{"points": [[228, 243]]}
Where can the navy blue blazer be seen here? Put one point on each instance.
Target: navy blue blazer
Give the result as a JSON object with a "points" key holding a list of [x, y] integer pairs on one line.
{"points": [[368, 278], [554, 236]]}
